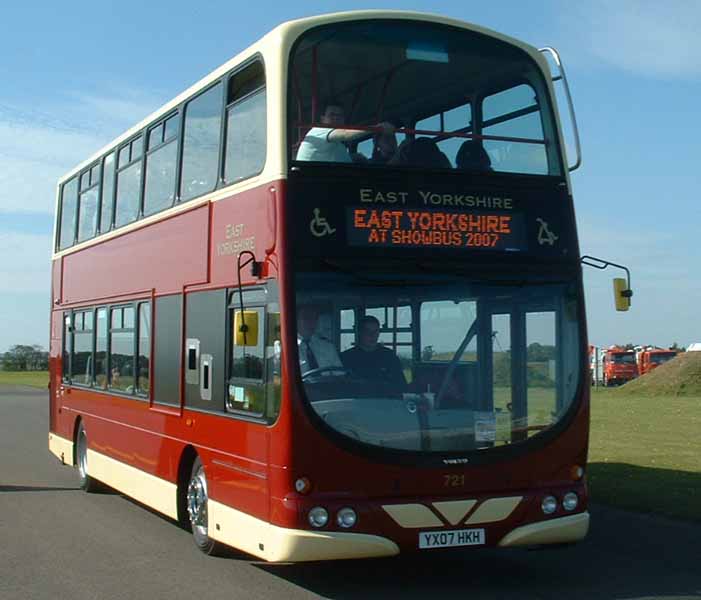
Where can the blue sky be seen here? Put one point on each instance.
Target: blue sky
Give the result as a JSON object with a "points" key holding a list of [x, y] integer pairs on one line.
{"points": [[75, 75]]}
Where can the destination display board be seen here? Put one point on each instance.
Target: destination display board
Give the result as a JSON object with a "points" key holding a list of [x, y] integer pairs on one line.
{"points": [[418, 216], [437, 228]]}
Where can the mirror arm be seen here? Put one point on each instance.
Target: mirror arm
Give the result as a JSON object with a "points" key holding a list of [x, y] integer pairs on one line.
{"points": [[239, 266], [598, 263]]}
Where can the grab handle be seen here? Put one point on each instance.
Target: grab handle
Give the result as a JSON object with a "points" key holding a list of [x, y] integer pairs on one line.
{"points": [[562, 76]]}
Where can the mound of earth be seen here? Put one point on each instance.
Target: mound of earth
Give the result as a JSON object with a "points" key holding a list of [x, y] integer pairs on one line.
{"points": [[681, 376]]}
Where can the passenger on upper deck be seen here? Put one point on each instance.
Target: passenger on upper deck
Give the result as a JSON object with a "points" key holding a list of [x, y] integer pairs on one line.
{"points": [[421, 152], [371, 360], [328, 144], [473, 157], [384, 147]]}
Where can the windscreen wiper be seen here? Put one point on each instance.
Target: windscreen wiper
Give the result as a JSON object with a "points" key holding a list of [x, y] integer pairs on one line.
{"points": [[471, 332]]}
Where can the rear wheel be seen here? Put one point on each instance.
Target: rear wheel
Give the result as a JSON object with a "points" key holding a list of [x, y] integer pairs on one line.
{"points": [[197, 510], [87, 483]]}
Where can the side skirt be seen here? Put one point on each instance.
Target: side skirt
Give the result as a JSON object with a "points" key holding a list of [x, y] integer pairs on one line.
{"points": [[278, 544], [61, 448]]}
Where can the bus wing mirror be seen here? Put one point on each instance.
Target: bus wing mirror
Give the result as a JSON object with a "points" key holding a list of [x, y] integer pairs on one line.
{"points": [[621, 286], [621, 294], [246, 328]]}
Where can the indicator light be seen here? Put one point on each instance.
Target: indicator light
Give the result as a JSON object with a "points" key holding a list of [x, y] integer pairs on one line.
{"points": [[303, 485], [576, 472]]}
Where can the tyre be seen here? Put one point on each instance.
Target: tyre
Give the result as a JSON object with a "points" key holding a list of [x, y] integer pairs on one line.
{"points": [[86, 482], [197, 509]]}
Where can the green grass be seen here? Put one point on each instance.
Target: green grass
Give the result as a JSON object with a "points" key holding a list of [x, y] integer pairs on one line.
{"points": [[645, 452], [37, 379]]}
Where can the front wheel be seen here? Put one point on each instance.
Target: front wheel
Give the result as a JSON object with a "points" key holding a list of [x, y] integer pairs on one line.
{"points": [[87, 483], [197, 510]]}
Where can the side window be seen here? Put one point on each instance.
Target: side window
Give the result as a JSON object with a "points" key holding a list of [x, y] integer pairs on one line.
{"points": [[67, 345], [515, 113], [542, 368], [82, 363], [443, 328], [128, 182], [121, 376], [455, 120], [246, 373], [101, 349], [502, 379], [347, 329], [69, 205], [201, 143], [143, 359], [161, 159], [107, 195], [245, 124], [87, 208], [273, 359]]}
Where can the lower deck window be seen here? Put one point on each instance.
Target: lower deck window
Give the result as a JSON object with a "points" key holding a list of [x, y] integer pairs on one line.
{"points": [[121, 376], [246, 390]]}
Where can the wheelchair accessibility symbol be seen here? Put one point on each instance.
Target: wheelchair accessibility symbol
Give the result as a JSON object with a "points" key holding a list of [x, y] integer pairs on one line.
{"points": [[545, 236], [319, 226]]}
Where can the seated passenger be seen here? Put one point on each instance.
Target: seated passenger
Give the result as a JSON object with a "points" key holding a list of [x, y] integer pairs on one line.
{"points": [[315, 352], [473, 157], [328, 144], [384, 147], [372, 361], [421, 152]]}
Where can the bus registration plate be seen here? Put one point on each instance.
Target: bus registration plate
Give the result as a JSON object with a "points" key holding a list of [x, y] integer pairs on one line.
{"points": [[451, 539]]}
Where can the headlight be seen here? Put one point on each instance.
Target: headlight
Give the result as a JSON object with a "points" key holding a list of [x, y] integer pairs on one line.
{"points": [[570, 501], [318, 516], [549, 505], [346, 518]]}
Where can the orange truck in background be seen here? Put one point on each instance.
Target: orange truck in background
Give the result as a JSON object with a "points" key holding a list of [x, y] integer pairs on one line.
{"points": [[650, 358], [619, 366]]}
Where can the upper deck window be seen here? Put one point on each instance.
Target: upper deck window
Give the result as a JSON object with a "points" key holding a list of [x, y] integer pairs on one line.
{"points": [[201, 143], [107, 193], [128, 182], [161, 159], [69, 205], [245, 124], [401, 93], [87, 211]]}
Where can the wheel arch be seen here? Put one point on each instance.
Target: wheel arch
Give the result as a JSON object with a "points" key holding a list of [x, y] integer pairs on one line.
{"points": [[187, 459], [76, 427]]}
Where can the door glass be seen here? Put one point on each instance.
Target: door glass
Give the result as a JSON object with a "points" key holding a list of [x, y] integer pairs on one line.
{"points": [[541, 360], [501, 361]]}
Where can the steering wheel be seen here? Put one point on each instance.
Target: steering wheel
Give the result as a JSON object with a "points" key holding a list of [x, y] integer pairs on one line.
{"points": [[341, 371]]}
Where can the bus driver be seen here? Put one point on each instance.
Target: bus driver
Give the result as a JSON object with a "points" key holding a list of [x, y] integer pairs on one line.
{"points": [[372, 361]]}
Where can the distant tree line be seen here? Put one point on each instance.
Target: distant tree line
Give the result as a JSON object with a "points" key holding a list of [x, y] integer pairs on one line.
{"points": [[537, 357], [25, 358]]}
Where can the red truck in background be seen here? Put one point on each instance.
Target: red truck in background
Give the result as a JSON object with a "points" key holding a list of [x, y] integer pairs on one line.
{"points": [[650, 358], [619, 366]]}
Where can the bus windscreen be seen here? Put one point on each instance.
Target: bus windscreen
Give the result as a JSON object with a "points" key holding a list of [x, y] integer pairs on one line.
{"points": [[392, 93]]}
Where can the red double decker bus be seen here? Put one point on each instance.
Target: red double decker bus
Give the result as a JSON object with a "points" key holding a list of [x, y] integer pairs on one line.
{"points": [[327, 303]]}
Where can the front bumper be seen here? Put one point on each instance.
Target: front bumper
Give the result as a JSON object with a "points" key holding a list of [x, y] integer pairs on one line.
{"points": [[562, 530]]}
